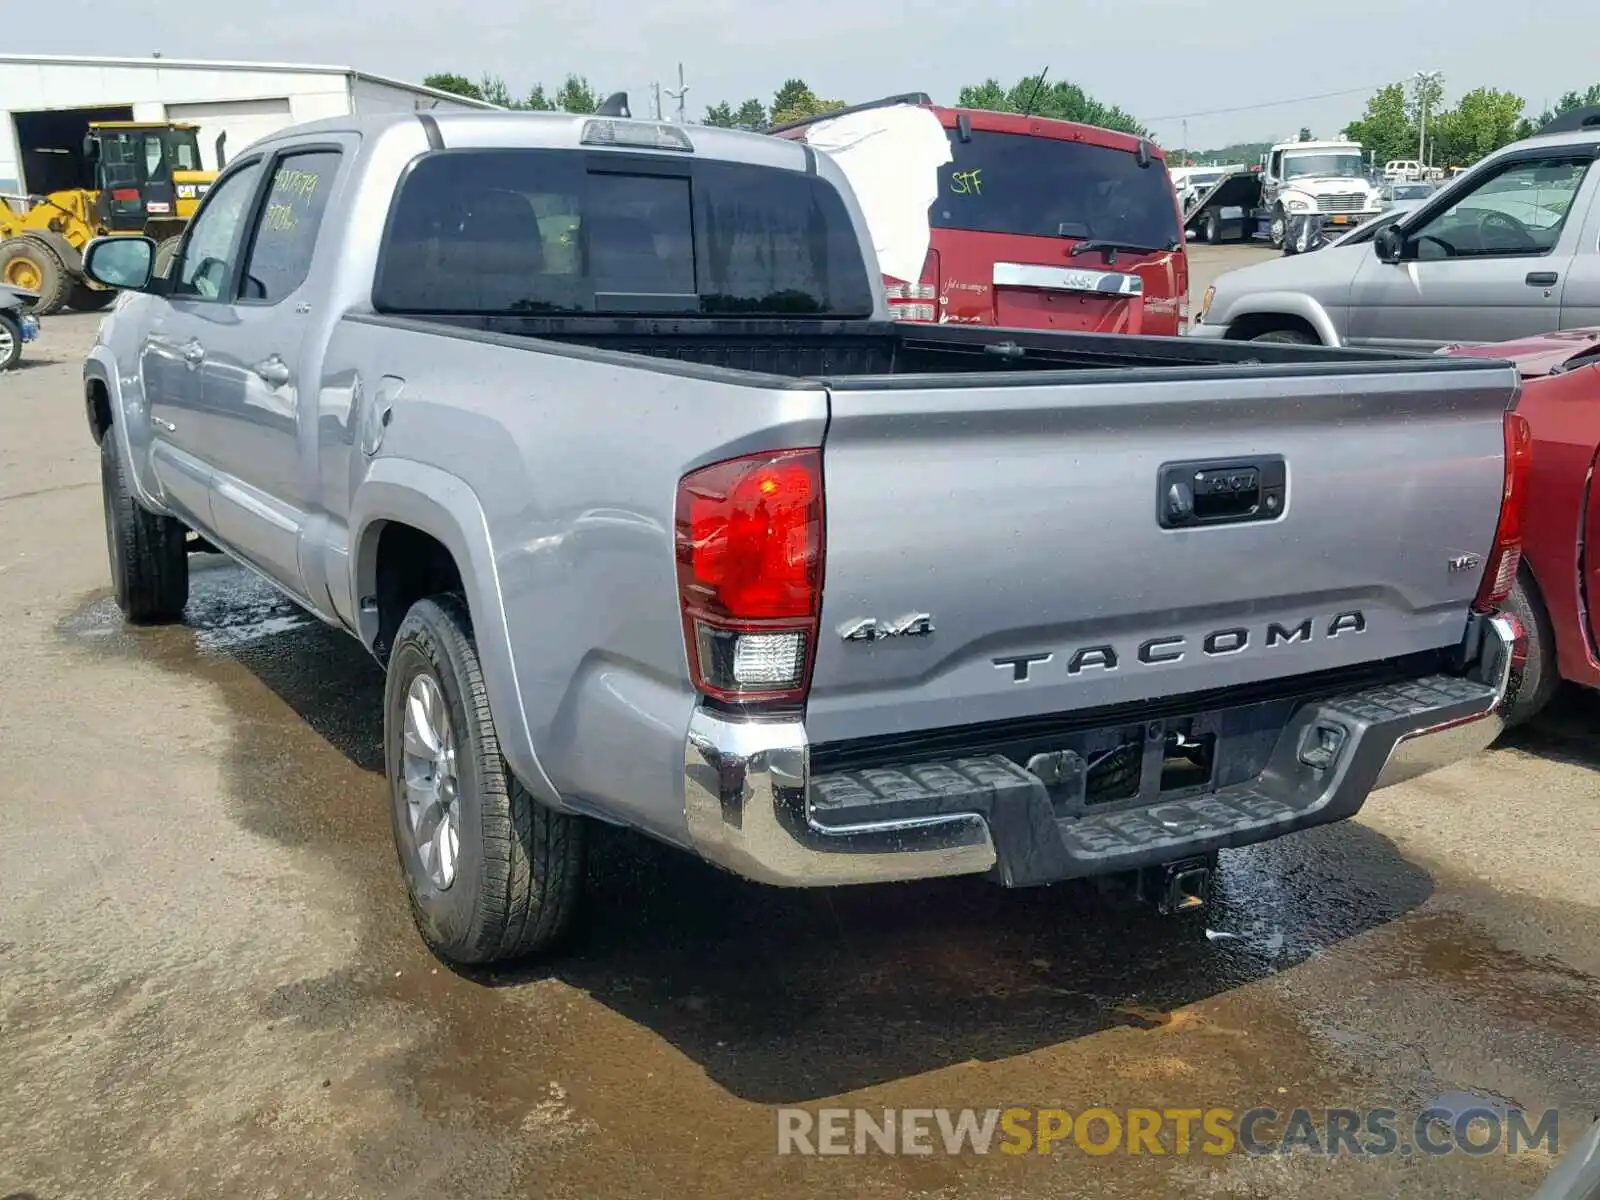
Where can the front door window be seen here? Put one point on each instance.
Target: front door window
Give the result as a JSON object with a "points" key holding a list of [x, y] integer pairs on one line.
{"points": [[213, 240], [1517, 212]]}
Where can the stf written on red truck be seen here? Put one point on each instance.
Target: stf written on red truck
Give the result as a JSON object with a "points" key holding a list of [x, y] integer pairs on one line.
{"points": [[1025, 222]]}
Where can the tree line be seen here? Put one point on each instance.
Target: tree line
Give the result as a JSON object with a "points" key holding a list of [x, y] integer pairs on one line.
{"points": [[575, 95], [1482, 121], [795, 100]]}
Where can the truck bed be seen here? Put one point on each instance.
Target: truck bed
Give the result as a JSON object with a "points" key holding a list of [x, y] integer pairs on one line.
{"points": [[885, 354], [1012, 486]]}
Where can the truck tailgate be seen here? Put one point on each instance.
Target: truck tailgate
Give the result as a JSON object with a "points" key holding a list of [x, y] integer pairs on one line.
{"points": [[996, 549]]}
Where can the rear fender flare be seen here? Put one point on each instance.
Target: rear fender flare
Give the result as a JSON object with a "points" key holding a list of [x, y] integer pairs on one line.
{"points": [[443, 506]]}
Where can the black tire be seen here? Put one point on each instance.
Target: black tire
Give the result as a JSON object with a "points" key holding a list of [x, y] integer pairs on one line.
{"points": [[84, 298], [1533, 686], [54, 281], [519, 864], [1213, 228], [149, 557], [1278, 231], [1294, 337], [10, 342], [166, 251]]}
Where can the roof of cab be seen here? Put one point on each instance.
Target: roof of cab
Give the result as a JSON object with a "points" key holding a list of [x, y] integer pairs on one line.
{"points": [[551, 130]]}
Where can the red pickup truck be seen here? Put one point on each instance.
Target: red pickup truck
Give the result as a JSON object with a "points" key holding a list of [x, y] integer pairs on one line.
{"points": [[1042, 224]]}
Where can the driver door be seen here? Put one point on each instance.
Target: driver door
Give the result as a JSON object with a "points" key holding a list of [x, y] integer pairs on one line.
{"points": [[1481, 264], [170, 360]]}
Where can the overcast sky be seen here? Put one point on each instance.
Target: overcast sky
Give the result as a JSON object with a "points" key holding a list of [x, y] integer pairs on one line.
{"points": [[1159, 60]]}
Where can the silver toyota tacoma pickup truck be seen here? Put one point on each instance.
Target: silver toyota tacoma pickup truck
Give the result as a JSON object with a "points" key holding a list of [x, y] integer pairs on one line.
{"points": [[597, 434]]}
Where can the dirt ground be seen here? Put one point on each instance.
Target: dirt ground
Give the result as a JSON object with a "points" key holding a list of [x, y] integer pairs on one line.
{"points": [[210, 985]]}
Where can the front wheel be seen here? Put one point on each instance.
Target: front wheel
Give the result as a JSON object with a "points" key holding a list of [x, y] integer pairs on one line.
{"points": [[1293, 337], [1278, 231], [149, 553], [32, 265], [493, 874]]}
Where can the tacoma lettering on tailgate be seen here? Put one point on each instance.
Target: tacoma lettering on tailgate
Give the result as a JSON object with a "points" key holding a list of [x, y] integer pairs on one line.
{"points": [[1171, 648]]}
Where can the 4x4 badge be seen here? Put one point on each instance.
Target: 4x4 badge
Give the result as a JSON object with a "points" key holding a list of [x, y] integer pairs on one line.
{"points": [[869, 629], [1465, 562]]}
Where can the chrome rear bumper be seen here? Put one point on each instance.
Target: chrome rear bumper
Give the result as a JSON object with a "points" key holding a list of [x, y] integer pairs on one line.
{"points": [[750, 795]]}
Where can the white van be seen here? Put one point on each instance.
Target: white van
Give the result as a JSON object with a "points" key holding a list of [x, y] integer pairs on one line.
{"points": [[1402, 170]]}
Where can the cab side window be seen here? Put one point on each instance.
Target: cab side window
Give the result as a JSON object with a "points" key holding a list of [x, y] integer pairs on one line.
{"points": [[213, 239], [286, 233], [1517, 212]]}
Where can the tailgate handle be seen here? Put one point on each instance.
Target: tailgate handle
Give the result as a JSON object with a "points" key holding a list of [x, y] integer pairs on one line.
{"points": [[1226, 492]]}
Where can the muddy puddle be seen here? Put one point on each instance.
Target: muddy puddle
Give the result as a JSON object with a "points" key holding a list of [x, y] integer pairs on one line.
{"points": [[647, 1057]]}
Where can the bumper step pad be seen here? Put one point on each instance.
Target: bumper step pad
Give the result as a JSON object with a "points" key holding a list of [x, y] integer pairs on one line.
{"points": [[1326, 761]]}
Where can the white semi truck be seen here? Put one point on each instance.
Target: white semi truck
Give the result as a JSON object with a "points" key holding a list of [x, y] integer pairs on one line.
{"points": [[1327, 178]]}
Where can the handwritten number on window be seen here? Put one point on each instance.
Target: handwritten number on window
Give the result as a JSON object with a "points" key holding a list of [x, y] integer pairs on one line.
{"points": [[290, 188]]}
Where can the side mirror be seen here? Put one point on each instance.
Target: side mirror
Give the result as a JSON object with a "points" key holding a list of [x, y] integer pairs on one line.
{"points": [[120, 262], [1389, 244]]}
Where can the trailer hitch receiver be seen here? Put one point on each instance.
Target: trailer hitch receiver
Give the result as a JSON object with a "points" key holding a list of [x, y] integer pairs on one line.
{"points": [[1178, 887]]}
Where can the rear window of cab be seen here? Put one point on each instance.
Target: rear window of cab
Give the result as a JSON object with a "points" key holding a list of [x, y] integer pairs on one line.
{"points": [[557, 232]]}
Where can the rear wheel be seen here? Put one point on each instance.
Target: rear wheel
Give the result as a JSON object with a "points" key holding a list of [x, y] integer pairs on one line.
{"points": [[1532, 686], [33, 265], [1294, 337], [1213, 229], [493, 873]]}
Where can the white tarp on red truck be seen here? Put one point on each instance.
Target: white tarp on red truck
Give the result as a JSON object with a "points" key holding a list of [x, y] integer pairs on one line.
{"points": [[891, 157]]}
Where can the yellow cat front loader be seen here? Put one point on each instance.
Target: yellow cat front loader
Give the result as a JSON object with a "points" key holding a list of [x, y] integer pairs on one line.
{"points": [[137, 177]]}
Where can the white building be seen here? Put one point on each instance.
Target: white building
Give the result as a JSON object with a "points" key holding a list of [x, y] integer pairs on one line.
{"points": [[47, 101]]}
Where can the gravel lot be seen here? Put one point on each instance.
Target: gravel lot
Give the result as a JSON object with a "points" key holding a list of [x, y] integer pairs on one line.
{"points": [[210, 986]]}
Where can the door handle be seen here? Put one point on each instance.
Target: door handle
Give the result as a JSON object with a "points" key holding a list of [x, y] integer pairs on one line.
{"points": [[1541, 279], [274, 370], [193, 353]]}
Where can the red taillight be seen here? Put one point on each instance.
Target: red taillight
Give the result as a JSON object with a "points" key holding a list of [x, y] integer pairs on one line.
{"points": [[1500, 573], [750, 541], [915, 301]]}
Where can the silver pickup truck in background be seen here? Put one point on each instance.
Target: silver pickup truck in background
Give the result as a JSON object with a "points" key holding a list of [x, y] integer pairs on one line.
{"points": [[597, 434]]}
